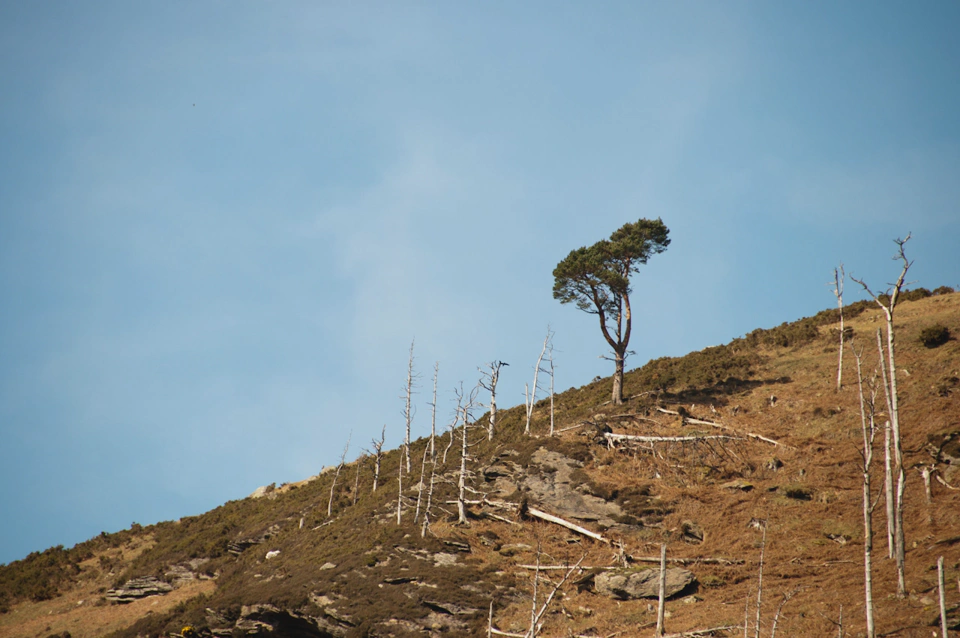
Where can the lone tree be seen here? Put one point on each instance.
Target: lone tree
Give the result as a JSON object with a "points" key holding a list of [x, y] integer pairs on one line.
{"points": [[598, 280]]}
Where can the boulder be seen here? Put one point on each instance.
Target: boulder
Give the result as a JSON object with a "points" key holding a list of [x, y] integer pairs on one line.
{"points": [[627, 584]]}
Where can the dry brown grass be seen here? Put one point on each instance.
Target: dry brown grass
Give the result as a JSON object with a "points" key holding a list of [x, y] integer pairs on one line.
{"points": [[820, 426]]}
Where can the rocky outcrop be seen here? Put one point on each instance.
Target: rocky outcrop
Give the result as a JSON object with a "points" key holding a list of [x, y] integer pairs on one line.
{"points": [[548, 482], [239, 546], [183, 573], [627, 584], [269, 620], [138, 588]]}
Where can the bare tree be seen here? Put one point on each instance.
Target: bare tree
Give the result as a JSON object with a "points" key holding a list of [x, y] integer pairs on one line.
{"points": [[488, 381], [408, 410], [838, 277], [400, 490], [433, 413], [530, 395], [333, 486], [537, 612], [892, 296], [868, 430], [429, 449], [776, 618], [466, 404], [426, 509], [888, 481], [551, 370], [943, 600], [356, 480], [378, 456], [763, 547]]}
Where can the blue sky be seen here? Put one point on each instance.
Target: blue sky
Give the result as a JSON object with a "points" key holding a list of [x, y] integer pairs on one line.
{"points": [[221, 224]]}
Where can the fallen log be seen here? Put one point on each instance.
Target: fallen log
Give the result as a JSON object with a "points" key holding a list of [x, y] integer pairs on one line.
{"points": [[702, 632], [610, 436], [532, 511], [687, 561], [725, 427]]}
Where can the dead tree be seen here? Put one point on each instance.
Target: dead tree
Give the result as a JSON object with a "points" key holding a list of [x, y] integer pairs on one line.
{"points": [[551, 370], [838, 277], [663, 588], [400, 489], [429, 449], [356, 480], [763, 547], [408, 409], [868, 430], [887, 480], [537, 612], [433, 413], [889, 306], [530, 395], [943, 600], [776, 618], [466, 404], [378, 456], [488, 381], [426, 509], [336, 475]]}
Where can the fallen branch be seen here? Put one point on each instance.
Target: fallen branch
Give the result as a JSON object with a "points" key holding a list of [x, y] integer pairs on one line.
{"points": [[559, 567], [668, 439], [725, 427], [944, 483], [500, 518], [572, 427], [687, 561], [559, 521], [702, 632]]}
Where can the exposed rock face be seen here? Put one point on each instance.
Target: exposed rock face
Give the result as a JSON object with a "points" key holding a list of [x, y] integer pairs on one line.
{"points": [[240, 546], [137, 588], [626, 584], [264, 490], [548, 482], [183, 573], [269, 620]]}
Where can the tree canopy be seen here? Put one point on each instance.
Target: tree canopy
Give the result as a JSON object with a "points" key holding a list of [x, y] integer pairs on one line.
{"points": [[597, 279]]}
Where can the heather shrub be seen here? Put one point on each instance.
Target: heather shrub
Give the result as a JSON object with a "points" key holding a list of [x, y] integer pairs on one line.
{"points": [[934, 336]]}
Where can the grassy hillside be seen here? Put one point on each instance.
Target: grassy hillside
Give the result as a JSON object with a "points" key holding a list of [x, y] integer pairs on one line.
{"points": [[360, 573]]}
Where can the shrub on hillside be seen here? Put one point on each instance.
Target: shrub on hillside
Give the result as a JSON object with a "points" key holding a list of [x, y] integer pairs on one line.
{"points": [[708, 367], [934, 336]]}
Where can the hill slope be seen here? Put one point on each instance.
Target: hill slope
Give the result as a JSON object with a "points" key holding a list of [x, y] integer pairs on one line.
{"points": [[278, 565]]}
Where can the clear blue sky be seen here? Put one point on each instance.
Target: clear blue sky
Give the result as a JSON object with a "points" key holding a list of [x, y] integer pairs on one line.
{"points": [[222, 223]]}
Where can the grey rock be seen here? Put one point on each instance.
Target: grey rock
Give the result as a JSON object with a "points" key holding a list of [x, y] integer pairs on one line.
{"points": [[627, 584], [553, 487], [138, 588]]}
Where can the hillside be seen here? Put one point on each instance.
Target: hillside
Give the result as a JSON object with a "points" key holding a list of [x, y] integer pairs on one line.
{"points": [[275, 564]]}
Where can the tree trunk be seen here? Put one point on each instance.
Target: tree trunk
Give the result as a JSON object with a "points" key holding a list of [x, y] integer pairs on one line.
{"points": [[838, 276], [888, 488], [867, 459], [663, 587], [618, 379], [943, 601], [462, 482], [407, 412]]}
